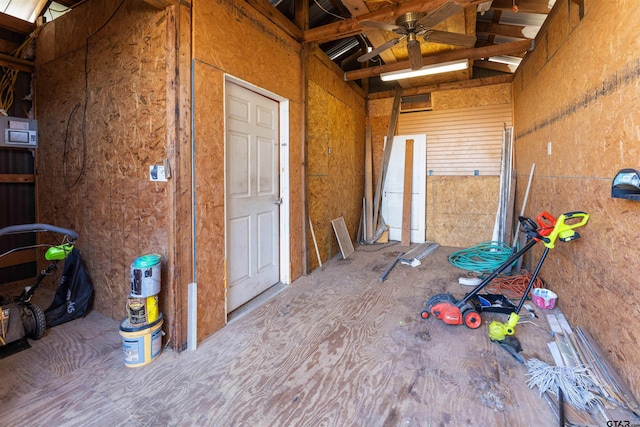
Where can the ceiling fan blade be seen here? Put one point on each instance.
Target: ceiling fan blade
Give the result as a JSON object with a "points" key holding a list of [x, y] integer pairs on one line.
{"points": [[375, 52], [415, 54], [440, 14], [380, 25], [454, 39]]}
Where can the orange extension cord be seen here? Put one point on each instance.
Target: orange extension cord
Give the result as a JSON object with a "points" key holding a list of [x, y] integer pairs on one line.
{"points": [[513, 287]]}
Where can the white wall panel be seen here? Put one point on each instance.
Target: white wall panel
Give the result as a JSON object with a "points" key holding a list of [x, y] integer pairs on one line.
{"points": [[460, 141]]}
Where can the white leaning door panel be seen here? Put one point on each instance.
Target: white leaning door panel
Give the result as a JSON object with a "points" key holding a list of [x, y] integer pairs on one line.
{"points": [[393, 192]]}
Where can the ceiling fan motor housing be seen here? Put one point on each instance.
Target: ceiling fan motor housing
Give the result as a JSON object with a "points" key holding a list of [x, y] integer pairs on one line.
{"points": [[409, 20]]}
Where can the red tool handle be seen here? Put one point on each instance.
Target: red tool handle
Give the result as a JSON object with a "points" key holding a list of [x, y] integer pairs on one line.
{"points": [[547, 222]]}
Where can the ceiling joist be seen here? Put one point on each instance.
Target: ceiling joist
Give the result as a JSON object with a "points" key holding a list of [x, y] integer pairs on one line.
{"points": [[350, 27], [491, 65], [463, 84], [16, 24], [528, 6], [375, 36], [478, 53], [276, 17], [17, 63], [506, 30], [161, 4]]}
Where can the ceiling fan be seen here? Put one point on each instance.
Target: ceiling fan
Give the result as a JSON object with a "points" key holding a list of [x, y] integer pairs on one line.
{"points": [[414, 24]]}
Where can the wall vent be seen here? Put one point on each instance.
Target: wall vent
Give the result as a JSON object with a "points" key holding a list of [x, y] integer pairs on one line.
{"points": [[416, 102]]}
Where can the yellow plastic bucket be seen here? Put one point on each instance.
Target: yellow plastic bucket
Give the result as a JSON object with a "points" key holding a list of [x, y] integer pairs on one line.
{"points": [[141, 344], [142, 311]]}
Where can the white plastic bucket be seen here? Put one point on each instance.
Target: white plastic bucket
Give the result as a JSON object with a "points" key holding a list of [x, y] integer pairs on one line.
{"points": [[141, 344]]}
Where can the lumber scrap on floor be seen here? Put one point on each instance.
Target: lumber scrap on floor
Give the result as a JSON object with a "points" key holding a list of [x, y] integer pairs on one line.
{"points": [[418, 252], [315, 242], [578, 348], [342, 234], [612, 382]]}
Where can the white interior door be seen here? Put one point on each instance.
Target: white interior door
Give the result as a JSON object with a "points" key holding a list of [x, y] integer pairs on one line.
{"points": [[392, 194], [252, 194]]}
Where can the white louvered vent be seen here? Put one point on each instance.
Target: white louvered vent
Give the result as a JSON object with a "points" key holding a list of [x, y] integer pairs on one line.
{"points": [[416, 102]]}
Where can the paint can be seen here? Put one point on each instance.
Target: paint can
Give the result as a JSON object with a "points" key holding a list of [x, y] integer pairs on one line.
{"points": [[142, 311], [141, 344], [145, 275]]}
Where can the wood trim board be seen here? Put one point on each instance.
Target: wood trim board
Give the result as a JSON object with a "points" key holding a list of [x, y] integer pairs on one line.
{"points": [[17, 258], [368, 185], [406, 195], [17, 178], [393, 123]]}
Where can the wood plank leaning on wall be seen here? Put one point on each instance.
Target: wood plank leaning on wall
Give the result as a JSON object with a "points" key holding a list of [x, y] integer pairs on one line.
{"points": [[406, 196], [395, 112]]}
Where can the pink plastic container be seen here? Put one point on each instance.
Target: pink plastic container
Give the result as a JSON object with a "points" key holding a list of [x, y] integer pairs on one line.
{"points": [[544, 298]]}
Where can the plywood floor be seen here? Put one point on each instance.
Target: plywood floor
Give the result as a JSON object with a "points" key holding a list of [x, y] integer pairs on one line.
{"points": [[336, 348]]}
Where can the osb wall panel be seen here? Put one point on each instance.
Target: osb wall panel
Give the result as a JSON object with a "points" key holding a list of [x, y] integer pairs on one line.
{"points": [[379, 117], [580, 94], [64, 36], [209, 194], [322, 70], [335, 153], [473, 97], [232, 38], [296, 191], [117, 211], [460, 210]]}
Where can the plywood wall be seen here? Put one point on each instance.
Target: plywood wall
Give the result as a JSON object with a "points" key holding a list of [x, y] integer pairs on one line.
{"points": [[578, 92], [137, 68], [335, 153], [460, 210], [210, 223], [96, 147], [231, 38]]}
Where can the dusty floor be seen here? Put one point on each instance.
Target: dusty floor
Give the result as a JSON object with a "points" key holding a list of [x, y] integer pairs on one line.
{"points": [[336, 348]]}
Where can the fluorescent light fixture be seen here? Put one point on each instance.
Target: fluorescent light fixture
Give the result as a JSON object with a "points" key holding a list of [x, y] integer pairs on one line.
{"points": [[444, 67]]}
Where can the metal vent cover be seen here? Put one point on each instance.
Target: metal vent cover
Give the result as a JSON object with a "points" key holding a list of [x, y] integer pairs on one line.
{"points": [[416, 102]]}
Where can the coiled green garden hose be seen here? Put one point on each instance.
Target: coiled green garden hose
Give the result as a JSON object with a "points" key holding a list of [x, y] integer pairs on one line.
{"points": [[484, 257]]}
